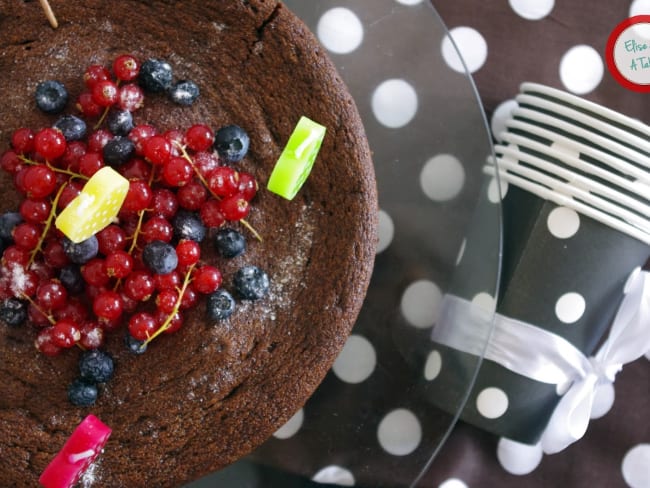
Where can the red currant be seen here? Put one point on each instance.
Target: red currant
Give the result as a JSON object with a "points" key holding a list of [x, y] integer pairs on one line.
{"points": [[51, 295], [15, 255], [130, 97], [111, 239], [22, 140], [169, 281], [139, 286], [211, 215], [98, 139], [157, 229], [65, 333], [94, 273], [119, 264], [189, 299], [104, 93], [87, 106], [72, 154], [92, 335], [177, 172], [90, 163], [247, 185], [235, 207], [49, 143], [199, 137], [142, 325], [126, 67], [175, 138], [224, 181], [192, 195], [74, 310], [35, 211], [45, 343], [188, 252], [136, 169], [39, 181], [174, 322], [108, 305], [10, 162], [157, 149], [138, 197], [26, 235], [94, 74], [69, 193], [205, 162], [166, 300], [164, 203], [139, 135], [37, 317], [54, 254], [206, 279]]}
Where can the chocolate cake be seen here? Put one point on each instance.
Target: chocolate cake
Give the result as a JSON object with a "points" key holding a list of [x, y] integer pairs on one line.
{"points": [[203, 397]]}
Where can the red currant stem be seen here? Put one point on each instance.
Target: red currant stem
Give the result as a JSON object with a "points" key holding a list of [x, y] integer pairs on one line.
{"points": [[167, 323], [187, 157], [53, 168], [105, 113], [46, 229], [49, 318], [136, 233], [49, 13]]}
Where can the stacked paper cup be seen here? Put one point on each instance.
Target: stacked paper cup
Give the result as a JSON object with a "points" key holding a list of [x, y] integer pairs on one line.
{"points": [[580, 155]]}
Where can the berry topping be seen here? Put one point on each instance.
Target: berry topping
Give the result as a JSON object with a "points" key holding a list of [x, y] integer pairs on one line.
{"points": [[297, 159], [134, 345], [50, 143], [251, 282], [229, 242], [8, 221], [119, 122], [96, 366], [231, 142], [118, 151], [160, 257], [13, 311], [184, 92], [70, 277], [81, 252], [51, 96], [126, 67], [82, 393], [220, 305], [187, 225], [155, 75], [72, 127]]}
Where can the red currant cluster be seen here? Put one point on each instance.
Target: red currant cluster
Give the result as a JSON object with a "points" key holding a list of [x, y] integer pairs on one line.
{"points": [[178, 180]]}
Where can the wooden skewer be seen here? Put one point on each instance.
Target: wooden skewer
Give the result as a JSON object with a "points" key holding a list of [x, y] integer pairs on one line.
{"points": [[49, 13]]}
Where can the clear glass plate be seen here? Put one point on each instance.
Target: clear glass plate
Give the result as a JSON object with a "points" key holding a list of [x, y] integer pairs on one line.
{"points": [[384, 422]]}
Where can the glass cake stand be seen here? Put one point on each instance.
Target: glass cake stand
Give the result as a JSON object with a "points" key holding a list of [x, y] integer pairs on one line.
{"points": [[384, 411]]}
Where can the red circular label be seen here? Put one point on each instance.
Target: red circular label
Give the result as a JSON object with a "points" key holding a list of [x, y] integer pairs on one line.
{"points": [[628, 53]]}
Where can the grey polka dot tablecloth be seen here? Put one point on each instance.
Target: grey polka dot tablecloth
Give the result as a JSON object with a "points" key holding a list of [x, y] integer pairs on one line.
{"points": [[371, 423]]}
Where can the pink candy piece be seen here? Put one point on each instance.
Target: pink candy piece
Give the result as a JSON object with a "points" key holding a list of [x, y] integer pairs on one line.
{"points": [[79, 451]]}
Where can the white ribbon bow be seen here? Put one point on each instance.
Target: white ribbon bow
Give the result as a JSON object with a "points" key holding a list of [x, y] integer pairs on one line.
{"points": [[628, 340], [554, 360]]}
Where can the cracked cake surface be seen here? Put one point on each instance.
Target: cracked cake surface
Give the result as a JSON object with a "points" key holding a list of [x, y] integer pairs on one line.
{"points": [[203, 397]]}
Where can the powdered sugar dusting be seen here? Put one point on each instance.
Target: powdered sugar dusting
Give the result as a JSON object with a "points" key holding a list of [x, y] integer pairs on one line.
{"points": [[91, 475], [19, 279]]}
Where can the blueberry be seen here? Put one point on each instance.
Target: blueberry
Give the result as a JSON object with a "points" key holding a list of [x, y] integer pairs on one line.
{"points": [[251, 282], [81, 252], [188, 225], [8, 221], [70, 276], [81, 393], [231, 142], [184, 92], [220, 305], [13, 311], [96, 366], [118, 151], [160, 257], [119, 122], [155, 75], [72, 127], [51, 96], [134, 345], [229, 242]]}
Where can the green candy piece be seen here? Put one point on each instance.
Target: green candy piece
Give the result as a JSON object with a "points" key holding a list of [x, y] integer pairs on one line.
{"points": [[297, 158]]}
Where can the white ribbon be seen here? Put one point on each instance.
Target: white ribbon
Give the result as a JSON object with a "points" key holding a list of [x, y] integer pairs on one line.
{"points": [[548, 358]]}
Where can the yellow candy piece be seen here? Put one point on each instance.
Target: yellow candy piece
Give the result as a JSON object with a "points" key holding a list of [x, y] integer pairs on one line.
{"points": [[95, 207]]}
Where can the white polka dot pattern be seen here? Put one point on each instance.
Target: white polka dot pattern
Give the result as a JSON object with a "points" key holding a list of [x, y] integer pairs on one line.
{"points": [[442, 177], [581, 69], [471, 45], [385, 231], [492, 402], [635, 467], [497, 190], [532, 9], [432, 366], [357, 360], [517, 458], [409, 2], [499, 117], [570, 307], [399, 433], [453, 483], [292, 426], [484, 302], [340, 30], [335, 475], [420, 303], [563, 222], [394, 103]]}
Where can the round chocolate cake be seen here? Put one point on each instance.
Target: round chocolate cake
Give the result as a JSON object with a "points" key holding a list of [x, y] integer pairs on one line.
{"points": [[202, 397]]}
